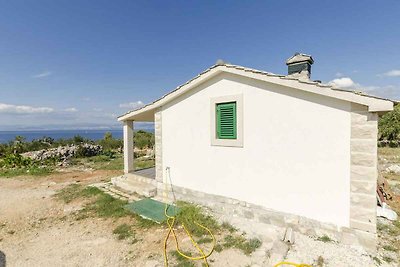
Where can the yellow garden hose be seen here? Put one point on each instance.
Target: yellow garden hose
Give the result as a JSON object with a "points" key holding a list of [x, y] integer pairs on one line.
{"points": [[171, 223]]}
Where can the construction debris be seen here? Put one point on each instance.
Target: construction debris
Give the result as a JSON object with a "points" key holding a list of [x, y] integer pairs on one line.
{"points": [[289, 236], [386, 212]]}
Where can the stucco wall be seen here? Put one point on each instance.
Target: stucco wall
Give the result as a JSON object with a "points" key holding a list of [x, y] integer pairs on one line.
{"points": [[295, 156]]}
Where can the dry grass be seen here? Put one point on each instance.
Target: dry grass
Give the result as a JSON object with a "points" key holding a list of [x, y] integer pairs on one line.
{"points": [[247, 246], [391, 176], [114, 162], [388, 232], [391, 154], [124, 231]]}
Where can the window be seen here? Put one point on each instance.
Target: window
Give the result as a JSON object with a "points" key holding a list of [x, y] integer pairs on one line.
{"points": [[226, 120]]}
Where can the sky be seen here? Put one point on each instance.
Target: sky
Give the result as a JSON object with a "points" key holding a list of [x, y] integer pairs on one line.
{"points": [[69, 64]]}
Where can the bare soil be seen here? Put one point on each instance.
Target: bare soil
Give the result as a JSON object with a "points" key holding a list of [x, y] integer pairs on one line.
{"points": [[36, 229]]}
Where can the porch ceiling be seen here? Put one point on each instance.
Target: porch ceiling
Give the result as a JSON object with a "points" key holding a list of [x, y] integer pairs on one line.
{"points": [[147, 116]]}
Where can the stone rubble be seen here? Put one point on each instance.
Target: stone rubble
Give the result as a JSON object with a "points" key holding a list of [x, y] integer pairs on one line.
{"points": [[64, 152], [395, 168]]}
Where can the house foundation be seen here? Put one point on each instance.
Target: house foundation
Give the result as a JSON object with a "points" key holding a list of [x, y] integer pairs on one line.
{"points": [[247, 215]]}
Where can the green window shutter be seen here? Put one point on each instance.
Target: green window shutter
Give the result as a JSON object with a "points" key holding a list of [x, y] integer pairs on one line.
{"points": [[226, 120]]}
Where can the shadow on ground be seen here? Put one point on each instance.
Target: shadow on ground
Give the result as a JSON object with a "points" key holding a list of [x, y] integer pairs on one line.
{"points": [[2, 259]]}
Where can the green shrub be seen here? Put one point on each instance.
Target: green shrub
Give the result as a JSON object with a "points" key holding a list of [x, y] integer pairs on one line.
{"points": [[77, 139], [18, 145], [390, 248], [228, 227], [204, 240], [389, 125], [377, 260], [143, 139], [109, 154], [325, 239], [16, 161], [81, 152], [87, 151], [250, 246], [38, 144], [4, 149], [387, 259], [110, 143], [15, 165]]}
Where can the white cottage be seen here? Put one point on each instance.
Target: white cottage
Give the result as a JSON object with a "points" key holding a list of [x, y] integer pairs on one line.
{"points": [[279, 149]]}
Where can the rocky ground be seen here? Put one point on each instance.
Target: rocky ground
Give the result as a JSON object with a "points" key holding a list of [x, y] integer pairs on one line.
{"points": [[389, 231], [38, 229], [64, 153]]}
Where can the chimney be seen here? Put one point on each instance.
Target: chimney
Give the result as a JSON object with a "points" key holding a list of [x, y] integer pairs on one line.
{"points": [[299, 66]]}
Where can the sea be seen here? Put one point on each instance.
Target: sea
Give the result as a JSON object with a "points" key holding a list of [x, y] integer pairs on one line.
{"points": [[6, 136]]}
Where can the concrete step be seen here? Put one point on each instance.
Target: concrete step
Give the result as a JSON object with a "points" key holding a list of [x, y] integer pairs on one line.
{"points": [[132, 186], [111, 190]]}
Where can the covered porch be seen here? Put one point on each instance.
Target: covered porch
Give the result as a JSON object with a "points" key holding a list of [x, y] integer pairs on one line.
{"points": [[129, 120], [147, 173]]}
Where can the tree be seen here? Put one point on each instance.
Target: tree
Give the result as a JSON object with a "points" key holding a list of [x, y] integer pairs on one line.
{"points": [[143, 139], [109, 142], [389, 125], [77, 139], [18, 144], [108, 136]]}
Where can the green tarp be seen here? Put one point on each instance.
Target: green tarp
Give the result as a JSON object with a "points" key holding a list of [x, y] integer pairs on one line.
{"points": [[151, 209]]}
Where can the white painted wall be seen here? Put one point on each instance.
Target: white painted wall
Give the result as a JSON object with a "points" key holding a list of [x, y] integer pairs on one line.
{"points": [[295, 157]]}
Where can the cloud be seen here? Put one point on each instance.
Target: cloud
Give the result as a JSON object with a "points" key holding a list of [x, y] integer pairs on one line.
{"points": [[42, 75], [386, 91], [32, 117], [14, 109], [344, 82], [132, 105], [70, 110], [392, 73]]}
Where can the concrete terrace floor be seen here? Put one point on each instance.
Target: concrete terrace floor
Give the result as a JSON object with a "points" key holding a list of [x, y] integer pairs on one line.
{"points": [[148, 172]]}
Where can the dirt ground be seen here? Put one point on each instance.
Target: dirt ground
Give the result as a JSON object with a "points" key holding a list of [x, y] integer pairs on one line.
{"points": [[36, 229]]}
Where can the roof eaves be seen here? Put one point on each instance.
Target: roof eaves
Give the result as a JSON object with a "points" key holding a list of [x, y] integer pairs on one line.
{"points": [[176, 89], [255, 71], [319, 84]]}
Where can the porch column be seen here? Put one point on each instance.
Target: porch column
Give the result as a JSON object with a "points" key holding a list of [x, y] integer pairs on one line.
{"points": [[158, 145], [128, 146]]}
